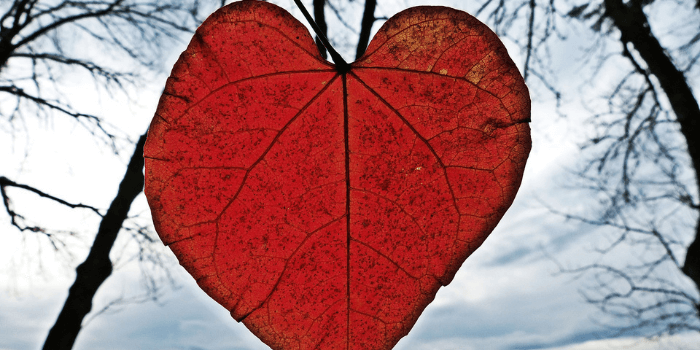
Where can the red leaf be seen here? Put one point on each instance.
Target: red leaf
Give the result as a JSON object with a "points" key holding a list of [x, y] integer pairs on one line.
{"points": [[325, 210]]}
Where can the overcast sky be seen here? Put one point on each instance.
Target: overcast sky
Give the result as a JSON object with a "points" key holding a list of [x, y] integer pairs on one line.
{"points": [[507, 295]]}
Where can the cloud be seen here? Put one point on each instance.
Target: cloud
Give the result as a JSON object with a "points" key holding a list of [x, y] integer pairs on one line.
{"points": [[185, 319], [686, 341], [502, 308], [24, 321]]}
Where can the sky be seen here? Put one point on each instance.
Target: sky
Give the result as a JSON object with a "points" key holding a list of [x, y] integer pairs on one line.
{"points": [[507, 295]]}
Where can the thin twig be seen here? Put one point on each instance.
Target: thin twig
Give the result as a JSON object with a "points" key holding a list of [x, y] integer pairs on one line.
{"points": [[341, 65]]}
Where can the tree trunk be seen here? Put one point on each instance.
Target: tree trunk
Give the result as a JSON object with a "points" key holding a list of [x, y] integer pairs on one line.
{"points": [[634, 28], [320, 18], [97, 266], [5, 52], [367, 22], [692, 258], [18, 9]]}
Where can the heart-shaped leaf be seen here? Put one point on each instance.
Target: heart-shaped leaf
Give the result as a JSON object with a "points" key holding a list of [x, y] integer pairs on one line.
{"points": [[325, 209]]}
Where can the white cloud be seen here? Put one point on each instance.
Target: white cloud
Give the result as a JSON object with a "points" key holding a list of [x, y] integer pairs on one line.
{"points": [[688, 341]]}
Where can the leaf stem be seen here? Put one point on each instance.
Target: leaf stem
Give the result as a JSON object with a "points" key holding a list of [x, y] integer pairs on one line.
{"points": [[341, 65]]}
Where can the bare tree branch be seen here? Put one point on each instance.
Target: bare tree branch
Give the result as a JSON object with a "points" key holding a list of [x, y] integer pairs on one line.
{"points": [[97, 266], [17, 220], [42, 42], [368, 20], [641, 166], [320, 17], [530, 34], [92, 123], [634, 28], [339, 16]]}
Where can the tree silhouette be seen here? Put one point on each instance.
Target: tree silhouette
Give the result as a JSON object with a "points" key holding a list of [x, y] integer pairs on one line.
{"points": [[38, 49], [40, 35], [642, 165]]}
